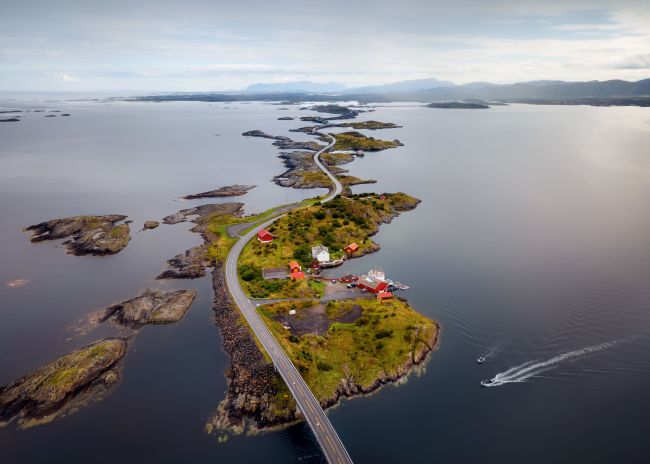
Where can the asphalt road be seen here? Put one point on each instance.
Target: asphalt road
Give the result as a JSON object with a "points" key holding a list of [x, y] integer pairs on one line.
{"points": [[329, 441]]}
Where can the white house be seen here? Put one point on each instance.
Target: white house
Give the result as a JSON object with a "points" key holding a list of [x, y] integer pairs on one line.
{"points": [[320, 253]]}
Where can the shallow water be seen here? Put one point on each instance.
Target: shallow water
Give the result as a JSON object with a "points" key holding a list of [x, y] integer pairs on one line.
{"points": [[532, 240]]}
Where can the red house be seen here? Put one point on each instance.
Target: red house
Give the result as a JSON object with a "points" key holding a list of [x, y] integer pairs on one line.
{"points": [[381, 296], [298, 275], [351, 248], [371, 284], [264, 236], [294, 266]]}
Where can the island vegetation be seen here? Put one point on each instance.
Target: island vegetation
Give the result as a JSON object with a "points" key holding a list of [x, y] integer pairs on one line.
{"points": [[357, 141], [336, 224], [345, 348]]}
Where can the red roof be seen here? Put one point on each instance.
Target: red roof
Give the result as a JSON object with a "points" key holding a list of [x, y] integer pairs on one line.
{"points": [[264, 235], [352, 247], [384, 295], [294, 265], [371, 284], [297, 275]]}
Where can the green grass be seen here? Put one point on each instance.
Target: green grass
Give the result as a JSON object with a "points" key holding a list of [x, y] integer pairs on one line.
{"points": [[377, 345], [356, 141], [372, 125], [335, 224]]}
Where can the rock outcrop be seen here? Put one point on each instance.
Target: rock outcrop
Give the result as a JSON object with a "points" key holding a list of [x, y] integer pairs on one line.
{"points": [[151, 224], [63, 385], [203, 211], [91, 235], [189, 265], [228, 191], [152, 307]]}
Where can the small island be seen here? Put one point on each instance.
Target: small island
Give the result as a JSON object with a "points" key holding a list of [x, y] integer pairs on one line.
{"points": [[458, 105], [90, 235], [227, 191], [357, 141], [63, 386], [152, 307]]}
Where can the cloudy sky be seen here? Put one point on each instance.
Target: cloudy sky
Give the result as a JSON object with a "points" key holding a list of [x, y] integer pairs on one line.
{"points": [[196, 45]]}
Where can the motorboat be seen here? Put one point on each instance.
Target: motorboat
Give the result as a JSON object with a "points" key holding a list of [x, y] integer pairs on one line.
{"points": [[480, 360], [487, 383]]}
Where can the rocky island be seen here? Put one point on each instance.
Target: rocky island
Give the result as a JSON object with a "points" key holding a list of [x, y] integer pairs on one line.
{"points": [[357, 141], [90, 235], [227, 191], [458, 105], [63, 385], [152, 307]]}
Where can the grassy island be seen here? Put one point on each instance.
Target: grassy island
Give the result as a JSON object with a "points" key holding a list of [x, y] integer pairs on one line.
{"points": [[356, 346], [336, 224], [370, 125], [357, 141]]}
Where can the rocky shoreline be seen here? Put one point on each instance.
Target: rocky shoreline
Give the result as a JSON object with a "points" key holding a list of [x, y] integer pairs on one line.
{"points": [[252, 380]]}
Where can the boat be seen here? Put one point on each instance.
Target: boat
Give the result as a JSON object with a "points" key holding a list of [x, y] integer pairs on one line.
{"points": [[480, 360], [487, 383]]}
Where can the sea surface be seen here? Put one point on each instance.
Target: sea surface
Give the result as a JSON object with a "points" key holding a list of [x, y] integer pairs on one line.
{"points": [[531, 247]]}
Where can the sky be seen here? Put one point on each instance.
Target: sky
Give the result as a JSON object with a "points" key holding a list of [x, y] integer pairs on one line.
{"points": [[208, 45]]}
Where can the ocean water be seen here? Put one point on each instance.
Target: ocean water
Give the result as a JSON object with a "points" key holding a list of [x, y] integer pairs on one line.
{"points": [[531, 247]]}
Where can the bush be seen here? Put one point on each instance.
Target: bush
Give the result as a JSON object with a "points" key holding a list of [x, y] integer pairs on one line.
{"points": [[249, 273], [303, 254], [319, 215], [383, 334], [293, 338], [323, 366]]}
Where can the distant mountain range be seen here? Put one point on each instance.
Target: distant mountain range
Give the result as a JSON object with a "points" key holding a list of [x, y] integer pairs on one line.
{"points": [[434, 89], [612, 92]]}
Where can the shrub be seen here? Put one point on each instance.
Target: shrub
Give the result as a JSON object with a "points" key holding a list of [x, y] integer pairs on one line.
{"points": [[383, 333], [293, 339], [319, 215], [323, 366]]}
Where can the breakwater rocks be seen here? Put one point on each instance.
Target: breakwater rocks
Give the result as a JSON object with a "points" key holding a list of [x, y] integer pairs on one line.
{"points": [[152, 307], [253, 384], [228, 191], [90, 235], [62, 386]]}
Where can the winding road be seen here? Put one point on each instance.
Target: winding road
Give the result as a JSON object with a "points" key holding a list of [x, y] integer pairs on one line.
{"points": [[328, 439]]}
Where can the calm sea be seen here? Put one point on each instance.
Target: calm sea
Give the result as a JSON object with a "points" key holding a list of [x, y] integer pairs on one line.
{"points": [[531, 247]]}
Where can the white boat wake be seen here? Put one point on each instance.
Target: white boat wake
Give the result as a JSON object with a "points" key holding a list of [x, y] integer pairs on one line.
{"points": [[529, 369]]}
